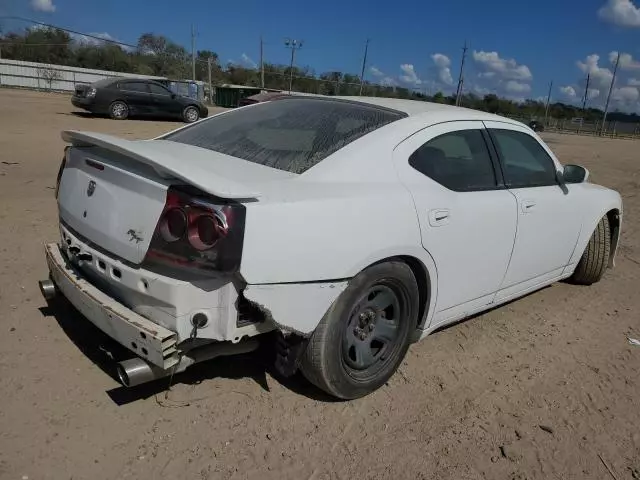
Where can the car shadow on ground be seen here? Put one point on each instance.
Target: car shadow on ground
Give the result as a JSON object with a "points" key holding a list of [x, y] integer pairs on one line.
{"points": [[143, 118], [105, 352]]}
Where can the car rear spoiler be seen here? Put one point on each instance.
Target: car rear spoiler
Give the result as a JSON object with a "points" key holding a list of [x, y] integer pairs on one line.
{"points": [[211, 172]]}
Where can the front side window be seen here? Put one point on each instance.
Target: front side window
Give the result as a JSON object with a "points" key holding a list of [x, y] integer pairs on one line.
{"points": [[525, 162], [459, 161], [292, 134]]}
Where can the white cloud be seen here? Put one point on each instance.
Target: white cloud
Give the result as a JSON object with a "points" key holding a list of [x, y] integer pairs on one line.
{"points": [[593, 93], [634, 82], [85, 40], [627, 62], [517, 87], [376, 72], [622, 13], [248, 61], [481, 90], [568, 91], [443, 65], [388, 82], [410, 75], [43, 6], [625, 95], [508, 69], [599, 76], [486, 74]]}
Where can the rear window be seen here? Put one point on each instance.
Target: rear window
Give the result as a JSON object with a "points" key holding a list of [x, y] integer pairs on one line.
{"points": [[292, 134]]}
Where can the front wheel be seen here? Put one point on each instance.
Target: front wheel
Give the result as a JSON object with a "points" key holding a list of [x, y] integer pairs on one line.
{"points": [[364, 336], [118, 110], [595, 258], [190, 114]]}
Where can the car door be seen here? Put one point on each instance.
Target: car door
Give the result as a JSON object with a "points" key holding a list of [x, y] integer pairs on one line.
{"points": [[467, 218], [549, 219], [164, 102], [137, 96]]}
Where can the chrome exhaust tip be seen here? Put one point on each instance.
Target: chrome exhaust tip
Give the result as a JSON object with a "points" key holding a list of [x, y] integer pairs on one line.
{"points": [[136, 371], [48, 289]]}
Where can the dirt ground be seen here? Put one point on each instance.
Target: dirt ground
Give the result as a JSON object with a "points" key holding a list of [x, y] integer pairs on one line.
{"points": [[547, 387]]}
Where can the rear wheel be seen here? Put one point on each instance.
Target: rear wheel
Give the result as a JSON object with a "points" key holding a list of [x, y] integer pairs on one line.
{"points": [[595, 258], [364, 336], [118, 110], [190, 114]]}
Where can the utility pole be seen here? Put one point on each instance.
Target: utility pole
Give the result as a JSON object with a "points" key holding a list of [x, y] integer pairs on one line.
{"points": [[586, 95], [364, 64], [546, 107], [461, 76], [209, 64], [606, 107], [293, 45], [193, 53], [261, 62]]}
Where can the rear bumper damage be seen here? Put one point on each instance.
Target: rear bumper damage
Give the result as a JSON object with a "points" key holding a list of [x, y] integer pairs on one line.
{"points": [[152, 342], [147, 313], [295, 307]]}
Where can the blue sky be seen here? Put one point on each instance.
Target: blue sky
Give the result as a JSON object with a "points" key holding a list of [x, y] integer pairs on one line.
{"points": [[516, 48]]}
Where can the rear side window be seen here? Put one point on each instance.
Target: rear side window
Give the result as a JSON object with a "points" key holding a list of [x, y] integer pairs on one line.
{"points": [[291, 134], [525, 162], [458, 160], [135, 87], [158, 90]]}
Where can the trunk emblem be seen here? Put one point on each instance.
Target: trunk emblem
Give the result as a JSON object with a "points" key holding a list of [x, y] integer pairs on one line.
{"points": [[91, 188]]}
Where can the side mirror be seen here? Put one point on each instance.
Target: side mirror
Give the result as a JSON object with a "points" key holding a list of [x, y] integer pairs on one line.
{"points": [[575, 174]]}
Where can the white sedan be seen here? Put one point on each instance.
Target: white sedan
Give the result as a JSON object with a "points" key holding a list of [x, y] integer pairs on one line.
{"points": [[349, 227]]}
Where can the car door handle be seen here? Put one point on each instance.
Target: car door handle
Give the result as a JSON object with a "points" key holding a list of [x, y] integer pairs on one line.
{"points": [[439, 217], [527, 205]]}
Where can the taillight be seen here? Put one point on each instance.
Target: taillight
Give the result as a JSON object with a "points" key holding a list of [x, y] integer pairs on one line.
{"points": [[61, 170], [199, 231]]}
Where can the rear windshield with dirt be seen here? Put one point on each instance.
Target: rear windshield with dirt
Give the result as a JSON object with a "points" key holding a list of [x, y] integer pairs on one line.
{"points": [[292, 134]]}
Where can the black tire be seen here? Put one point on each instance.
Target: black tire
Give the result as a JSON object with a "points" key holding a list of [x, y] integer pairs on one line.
{"points": [[331, 361], [191, 114], [595, 258], [119, 110]]}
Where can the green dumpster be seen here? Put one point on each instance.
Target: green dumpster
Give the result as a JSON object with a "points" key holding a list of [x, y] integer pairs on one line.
{"points": [[229, 96]]}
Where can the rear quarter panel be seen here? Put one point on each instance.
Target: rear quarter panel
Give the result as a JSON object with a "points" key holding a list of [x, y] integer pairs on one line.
{"points": [[332, 233], [340, 216]]}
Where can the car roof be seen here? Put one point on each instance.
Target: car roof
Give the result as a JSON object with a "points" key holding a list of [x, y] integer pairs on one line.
{"points": [[414, 108]]}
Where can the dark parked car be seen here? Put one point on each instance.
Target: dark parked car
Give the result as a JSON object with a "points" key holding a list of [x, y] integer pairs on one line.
{"points": [[121, 98], [536, 126]]}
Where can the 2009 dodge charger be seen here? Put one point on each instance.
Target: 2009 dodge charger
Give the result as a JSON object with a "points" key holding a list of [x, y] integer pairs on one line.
{"points": [[349, 226]]}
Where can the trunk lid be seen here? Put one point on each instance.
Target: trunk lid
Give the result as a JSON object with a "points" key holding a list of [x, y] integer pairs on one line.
{"points": [[113, 191]]}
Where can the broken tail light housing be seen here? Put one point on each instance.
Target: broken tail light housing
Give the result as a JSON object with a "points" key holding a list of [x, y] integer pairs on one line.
{"points": [[63, 164], [198, 231]]}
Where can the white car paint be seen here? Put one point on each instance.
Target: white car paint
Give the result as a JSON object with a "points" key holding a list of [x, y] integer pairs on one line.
{"points": [[460, 228], [306, 235]]}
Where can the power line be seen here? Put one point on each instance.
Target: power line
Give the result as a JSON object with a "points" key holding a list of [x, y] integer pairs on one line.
{"points": [[606, 107], [68, 30], [461, 76], [193, 53], [261, 62], [546, 107], [364, 64], [586, 95], [293, 45]]}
